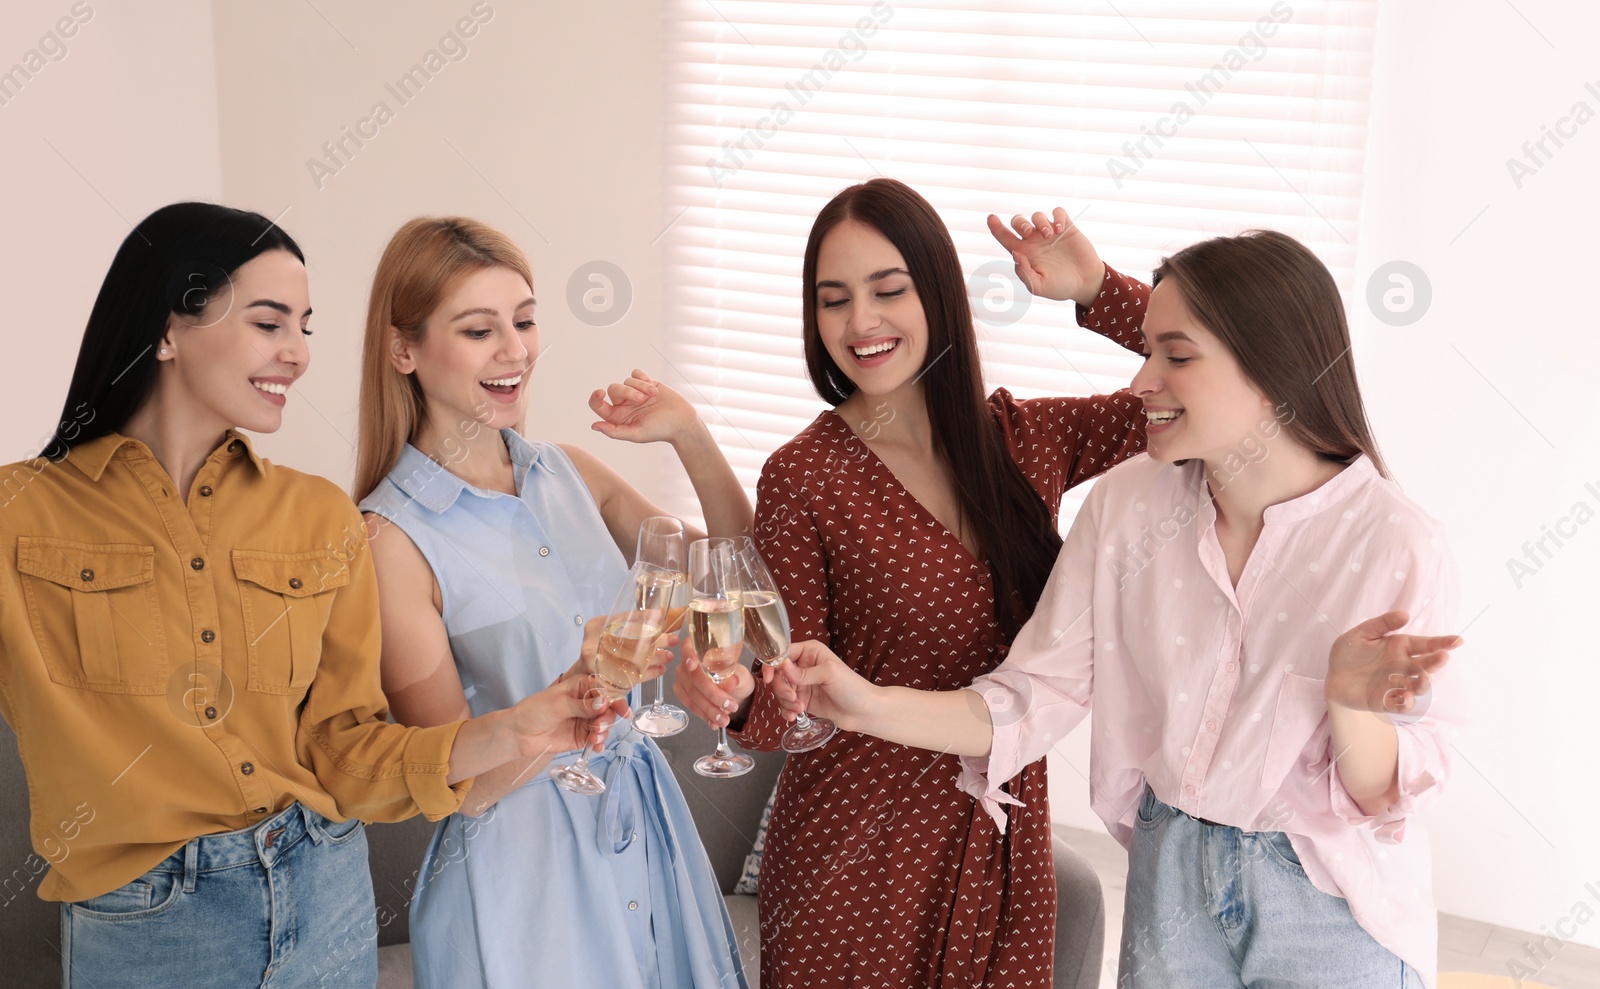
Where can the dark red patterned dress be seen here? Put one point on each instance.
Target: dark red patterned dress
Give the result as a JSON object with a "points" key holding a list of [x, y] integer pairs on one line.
{"points": [[878, 871]]}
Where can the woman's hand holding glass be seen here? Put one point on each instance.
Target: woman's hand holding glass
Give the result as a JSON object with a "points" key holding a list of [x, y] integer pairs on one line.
{"points": [[625, 655], [716, 625], [717, 704], [766, 632], [567, 715], [815, 680]]}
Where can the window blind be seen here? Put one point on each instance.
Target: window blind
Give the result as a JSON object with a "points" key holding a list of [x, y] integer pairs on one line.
{"points": [[1155, 124]]}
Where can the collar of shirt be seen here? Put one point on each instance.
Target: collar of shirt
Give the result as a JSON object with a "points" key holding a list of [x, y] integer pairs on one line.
{"points": [[434, 487], [94, 456], [1356, 476]]}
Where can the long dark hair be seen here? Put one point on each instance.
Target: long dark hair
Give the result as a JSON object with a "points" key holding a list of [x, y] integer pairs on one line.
{"points": [[1276, 307], [174, 261], [1011, 521]]}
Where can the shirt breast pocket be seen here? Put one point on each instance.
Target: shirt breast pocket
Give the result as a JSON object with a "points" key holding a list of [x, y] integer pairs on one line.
{"points": [[94, 613], [286, 599], [1302, 706]]}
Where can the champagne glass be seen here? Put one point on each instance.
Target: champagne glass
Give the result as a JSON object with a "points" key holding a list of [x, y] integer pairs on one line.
{"points": [[766, 632], [627, 647], [661, 547], [716, 622]]}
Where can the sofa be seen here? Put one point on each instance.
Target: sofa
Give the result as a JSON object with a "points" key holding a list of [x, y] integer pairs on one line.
{"points": [[727, 813]]}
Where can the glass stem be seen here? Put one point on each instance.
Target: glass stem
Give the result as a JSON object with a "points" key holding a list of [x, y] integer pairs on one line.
{"points": [[801, 721], [661, 691], [723, 750]]}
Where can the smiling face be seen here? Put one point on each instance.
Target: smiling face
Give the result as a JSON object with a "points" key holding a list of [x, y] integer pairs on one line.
{"points": [[233, 364], [868, 314], [476, 350], [1197, 400]]}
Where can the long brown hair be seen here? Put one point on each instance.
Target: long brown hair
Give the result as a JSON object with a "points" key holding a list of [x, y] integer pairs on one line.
{"points": [[1013, 525], [423, 262], [1276, 307]]}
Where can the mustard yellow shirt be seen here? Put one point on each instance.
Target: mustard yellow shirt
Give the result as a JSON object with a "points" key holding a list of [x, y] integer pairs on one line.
{"points": [[173, 670]]}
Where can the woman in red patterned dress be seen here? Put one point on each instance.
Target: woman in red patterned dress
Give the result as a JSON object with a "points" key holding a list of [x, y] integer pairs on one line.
{"points": [[915, 519]]}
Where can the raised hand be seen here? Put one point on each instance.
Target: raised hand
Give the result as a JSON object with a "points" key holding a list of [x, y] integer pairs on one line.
{"points": [[1054, 259], [1372, 669], [643, 410]]}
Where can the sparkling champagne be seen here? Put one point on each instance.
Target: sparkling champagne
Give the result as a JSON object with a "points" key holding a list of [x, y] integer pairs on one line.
{"points": [[677, 604], [766, 626], [717, 625], [626, 648]]}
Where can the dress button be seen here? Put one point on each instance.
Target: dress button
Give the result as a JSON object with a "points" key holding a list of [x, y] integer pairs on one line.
{"points": [[86, 575], [544, 551], [205, 490], [294, 582], [247, 769], [633, 904], [197, 563], [208, 636], [211, 713]]}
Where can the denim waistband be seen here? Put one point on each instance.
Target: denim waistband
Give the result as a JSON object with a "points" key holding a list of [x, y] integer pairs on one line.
{"points": [[262, 844]]}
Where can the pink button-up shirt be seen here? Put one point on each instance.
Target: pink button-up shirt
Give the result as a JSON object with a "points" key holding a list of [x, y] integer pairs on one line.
{"points": [[1214, 694]]}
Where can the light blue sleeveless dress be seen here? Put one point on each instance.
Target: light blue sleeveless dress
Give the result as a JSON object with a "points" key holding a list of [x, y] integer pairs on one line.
{"points": [[549, 888]]}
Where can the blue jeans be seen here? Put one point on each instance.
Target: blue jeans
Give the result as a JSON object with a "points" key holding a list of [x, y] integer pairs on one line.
{"points": [[1215, 907], [283, 905]]}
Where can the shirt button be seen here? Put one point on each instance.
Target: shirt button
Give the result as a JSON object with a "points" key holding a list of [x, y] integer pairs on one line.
{"points": [[197, 563], [205, 490], [1188, 788], [235, 446], [577, 619], [294, 582], [1211, 726], [208, 636], [544, 551], [86, 575], [633, 904], [260, 810], [211, 713], [247, 769]]}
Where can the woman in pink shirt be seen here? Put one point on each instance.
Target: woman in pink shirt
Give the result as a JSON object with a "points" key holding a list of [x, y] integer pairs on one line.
{"points": [[1262, 769]]}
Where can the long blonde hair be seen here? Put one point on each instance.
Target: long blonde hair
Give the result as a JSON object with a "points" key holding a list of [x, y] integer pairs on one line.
{"points": [[423, 262]]}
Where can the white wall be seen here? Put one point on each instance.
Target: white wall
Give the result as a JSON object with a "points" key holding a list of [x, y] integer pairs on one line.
{"points": [[124, 122], [547, 128], [1486, 407]]}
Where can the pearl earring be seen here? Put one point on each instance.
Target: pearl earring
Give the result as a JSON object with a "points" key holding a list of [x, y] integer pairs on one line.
{"points": [[163, 350]]}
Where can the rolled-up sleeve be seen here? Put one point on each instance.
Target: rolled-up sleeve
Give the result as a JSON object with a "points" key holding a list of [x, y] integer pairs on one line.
{"points": [[1423, 737], [376, 770], [1043, 689]]}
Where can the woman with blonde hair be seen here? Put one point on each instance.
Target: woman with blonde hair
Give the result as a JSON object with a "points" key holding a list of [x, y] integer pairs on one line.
{"points": [[492, 553]]}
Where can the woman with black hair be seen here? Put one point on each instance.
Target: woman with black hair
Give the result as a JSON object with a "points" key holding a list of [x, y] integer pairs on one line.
{"points": [[912, 529], [189, 642]]}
